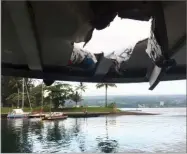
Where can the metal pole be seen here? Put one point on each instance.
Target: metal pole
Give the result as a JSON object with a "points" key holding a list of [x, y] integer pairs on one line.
{"points": [[28, 96], [18, 98], [42, 95], [22, 93], [50, 105]]}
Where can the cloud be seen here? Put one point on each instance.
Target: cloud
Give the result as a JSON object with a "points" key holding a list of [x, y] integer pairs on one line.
{"points": [[121, 34], [163, 88]]}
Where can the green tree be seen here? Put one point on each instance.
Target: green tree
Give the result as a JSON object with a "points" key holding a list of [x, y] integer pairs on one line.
{"points": [[18, 83], [29, 83], [106, 85], [112, 105], [81, 87], [9, 86], [15, 82], [12, 90], [37, 93], [13, 99], [5, 90], [59, 92], [76, 97]]}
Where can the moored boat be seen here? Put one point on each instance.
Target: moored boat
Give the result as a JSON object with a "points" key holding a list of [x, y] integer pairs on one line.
{"points": [[55, 116], [36, 115], [17, 113], [39, 114]]}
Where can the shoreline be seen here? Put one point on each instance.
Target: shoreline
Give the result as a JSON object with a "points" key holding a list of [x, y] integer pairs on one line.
{"points": [[96, 114]]}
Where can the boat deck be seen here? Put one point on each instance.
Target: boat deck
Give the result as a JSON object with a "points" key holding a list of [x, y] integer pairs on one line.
{"points": [[55, 118], [36, 116]]}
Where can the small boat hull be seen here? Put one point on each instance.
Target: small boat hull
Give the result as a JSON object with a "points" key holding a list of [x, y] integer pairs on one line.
{"points": [[17, 113], [55, 118], [36, 116], [16, 116]]}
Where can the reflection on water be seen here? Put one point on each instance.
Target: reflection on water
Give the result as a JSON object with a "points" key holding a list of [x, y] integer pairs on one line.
{"points": [[162, 133], [105, 144], [108, 146]]}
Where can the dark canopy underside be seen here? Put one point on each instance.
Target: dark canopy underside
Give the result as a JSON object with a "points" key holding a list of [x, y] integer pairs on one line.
{"points": [[38, 37]]}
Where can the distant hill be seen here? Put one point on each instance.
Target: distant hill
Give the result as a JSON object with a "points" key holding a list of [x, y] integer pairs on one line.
{"points": [[133, 101]]}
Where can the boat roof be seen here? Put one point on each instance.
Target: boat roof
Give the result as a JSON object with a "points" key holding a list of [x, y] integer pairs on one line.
{"points": [[38, 37], [17, 110]]}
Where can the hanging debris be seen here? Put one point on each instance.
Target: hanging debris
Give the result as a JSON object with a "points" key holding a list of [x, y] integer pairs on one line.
{"points": [[119, 58], [82, 58]]}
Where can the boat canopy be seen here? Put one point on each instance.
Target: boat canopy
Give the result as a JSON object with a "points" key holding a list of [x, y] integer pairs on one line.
{"points": [[17, 111], [39, 37]]}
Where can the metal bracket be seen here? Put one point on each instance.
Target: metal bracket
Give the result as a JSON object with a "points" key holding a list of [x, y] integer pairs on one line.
{"points": [[161, 64], [157, 47], [103, 66], [158, 72]]}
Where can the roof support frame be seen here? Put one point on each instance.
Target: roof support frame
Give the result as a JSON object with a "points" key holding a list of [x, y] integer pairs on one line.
{"points": [[22, 22]]}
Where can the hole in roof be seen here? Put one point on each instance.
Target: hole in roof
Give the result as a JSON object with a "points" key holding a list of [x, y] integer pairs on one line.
{"points": [[119, 35]]}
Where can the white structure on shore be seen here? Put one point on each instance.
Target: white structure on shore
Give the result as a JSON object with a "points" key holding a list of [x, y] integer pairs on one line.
{"points": [[141, 106], [161, 103]]}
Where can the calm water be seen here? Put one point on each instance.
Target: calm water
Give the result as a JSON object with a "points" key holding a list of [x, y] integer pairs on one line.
{"points": [[162, 133]]}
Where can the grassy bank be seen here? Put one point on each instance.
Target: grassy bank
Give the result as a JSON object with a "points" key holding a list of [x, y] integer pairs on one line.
{"points": [[5, 110], [79, 112]]}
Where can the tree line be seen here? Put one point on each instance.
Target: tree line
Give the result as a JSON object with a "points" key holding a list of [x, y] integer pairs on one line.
{"points": [[36, 95]]}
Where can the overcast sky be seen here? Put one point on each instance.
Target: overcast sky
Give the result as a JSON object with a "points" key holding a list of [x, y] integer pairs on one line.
{"points": [[119, 35], [166, 87]]}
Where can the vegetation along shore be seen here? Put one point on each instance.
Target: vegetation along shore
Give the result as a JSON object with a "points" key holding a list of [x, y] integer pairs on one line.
{"points": [[53, 98], [80, 112]]}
